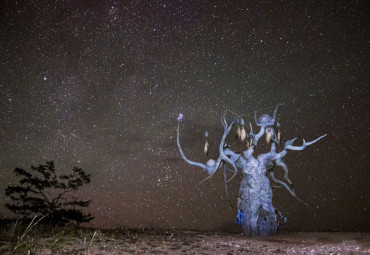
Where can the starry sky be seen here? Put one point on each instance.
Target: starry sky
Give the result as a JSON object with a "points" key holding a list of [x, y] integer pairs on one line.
{"points": [[99, 85]]}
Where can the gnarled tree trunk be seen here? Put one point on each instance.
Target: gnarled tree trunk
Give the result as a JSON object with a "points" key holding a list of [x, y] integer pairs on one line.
{"points": [[255, 197], [255, 201]]}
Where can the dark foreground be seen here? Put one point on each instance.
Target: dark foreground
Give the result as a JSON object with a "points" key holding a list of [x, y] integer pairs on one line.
{"points": [[72, 240]]}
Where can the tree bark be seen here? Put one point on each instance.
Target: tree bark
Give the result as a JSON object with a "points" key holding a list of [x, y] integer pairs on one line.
{"points": [[255, 201]]}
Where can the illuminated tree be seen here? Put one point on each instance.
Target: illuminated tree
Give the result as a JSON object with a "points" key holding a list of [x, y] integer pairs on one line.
{"points": [[255, 210]]}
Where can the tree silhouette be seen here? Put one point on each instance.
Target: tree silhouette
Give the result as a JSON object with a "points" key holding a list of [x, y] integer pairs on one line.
{"points": [[42, 192]]}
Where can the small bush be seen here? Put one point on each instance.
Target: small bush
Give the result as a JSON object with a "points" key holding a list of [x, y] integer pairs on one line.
{"points": [[42, 193]]}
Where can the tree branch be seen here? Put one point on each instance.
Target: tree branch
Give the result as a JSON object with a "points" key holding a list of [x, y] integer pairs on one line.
{"points": [[269, 122], [287, 187], [289, 144], [205, 167], [211, 168]]}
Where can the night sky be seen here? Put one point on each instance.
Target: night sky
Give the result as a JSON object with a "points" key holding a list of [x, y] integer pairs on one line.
{"points": [[99, 85]]}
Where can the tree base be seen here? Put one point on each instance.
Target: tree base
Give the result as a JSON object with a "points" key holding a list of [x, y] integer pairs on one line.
{"points": [[261, 223]]}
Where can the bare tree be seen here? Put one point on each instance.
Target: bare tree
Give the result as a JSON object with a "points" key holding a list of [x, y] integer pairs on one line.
{"points": [[255, 210]]}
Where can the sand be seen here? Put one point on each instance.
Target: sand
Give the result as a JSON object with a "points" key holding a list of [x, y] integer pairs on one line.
{"points": [[195, 242]]}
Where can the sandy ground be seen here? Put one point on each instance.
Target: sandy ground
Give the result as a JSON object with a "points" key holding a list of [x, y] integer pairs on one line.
{"points": [[193, 242]]}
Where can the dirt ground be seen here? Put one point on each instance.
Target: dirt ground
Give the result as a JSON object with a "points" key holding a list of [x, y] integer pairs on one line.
{"points": [[193, 242]]}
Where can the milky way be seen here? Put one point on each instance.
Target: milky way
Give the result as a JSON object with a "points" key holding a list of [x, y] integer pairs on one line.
{"points": [[100, 84]]}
